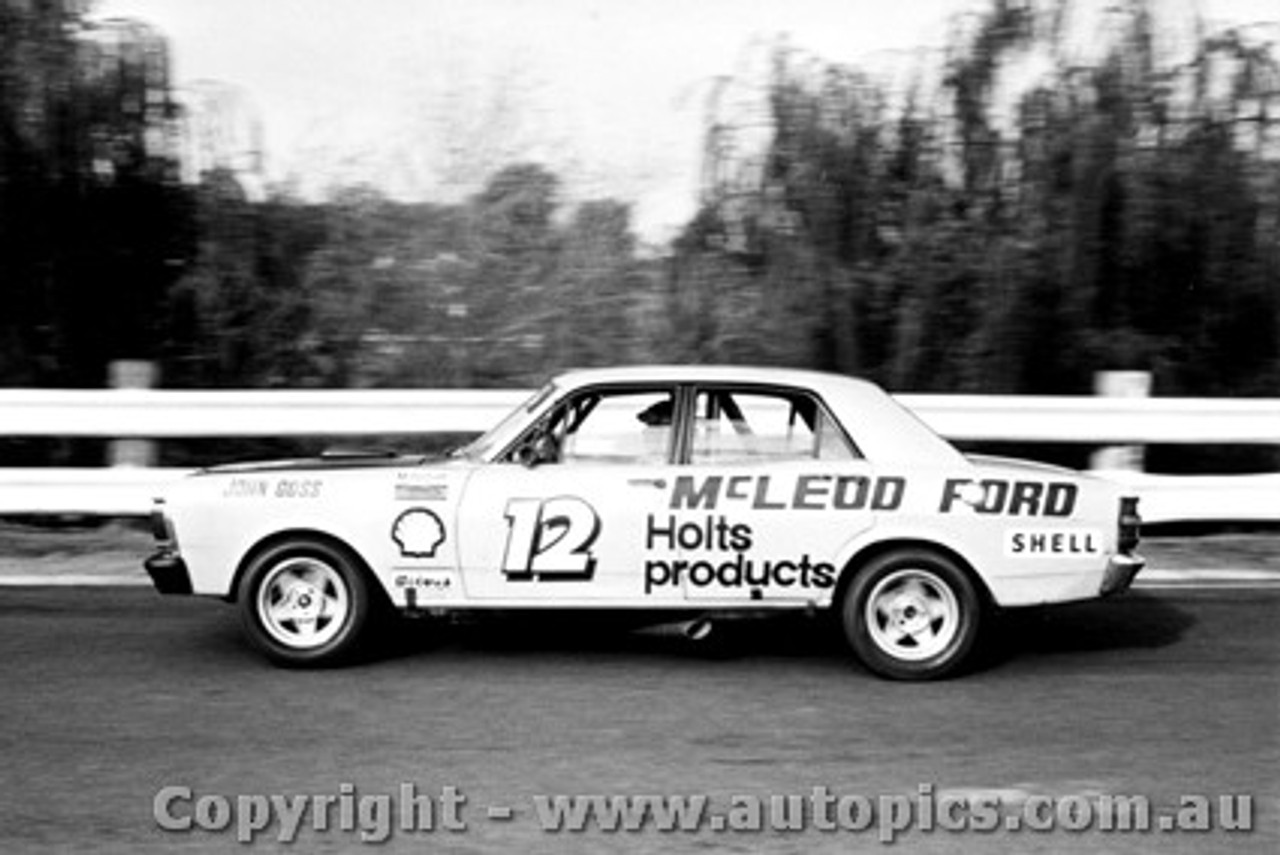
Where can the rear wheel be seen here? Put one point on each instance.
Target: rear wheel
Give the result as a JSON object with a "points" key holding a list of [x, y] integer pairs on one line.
{"points": [[305, 603], [911, 615]]}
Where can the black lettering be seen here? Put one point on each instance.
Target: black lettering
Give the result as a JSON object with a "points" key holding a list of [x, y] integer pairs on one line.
{"points": [[690, 536], [761, 502], [653, 533], [888, 494], [779, 579], [842, 500], [994, 495], [729, 573], [1026, 494], [740, 537], [824, 575], [656, 574], [683, 493], [951, 493], [1018, 543], [723, 532], [809, 488], [755, 580], [1060, 500], [701, 573]]}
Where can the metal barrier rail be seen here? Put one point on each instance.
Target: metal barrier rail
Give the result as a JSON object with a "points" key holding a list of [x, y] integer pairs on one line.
{"points": [[132, 413], [149, 414]]}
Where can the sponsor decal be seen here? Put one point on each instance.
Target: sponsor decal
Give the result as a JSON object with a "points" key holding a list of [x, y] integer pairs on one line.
{"points": [[294, 488], [807, 493], [418, 532], [421, 492], [1013, 498], [738, 572], [725, 563], [431, 581], [1058, 542], [265, 488], [246, 488], [414, 486], [550, 539]]}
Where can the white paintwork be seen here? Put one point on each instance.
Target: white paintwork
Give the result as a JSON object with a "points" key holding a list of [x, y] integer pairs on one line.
{"points": [[472, 531]]}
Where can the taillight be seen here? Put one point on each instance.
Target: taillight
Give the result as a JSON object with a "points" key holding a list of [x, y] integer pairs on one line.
{"points": [[1130, 525]]}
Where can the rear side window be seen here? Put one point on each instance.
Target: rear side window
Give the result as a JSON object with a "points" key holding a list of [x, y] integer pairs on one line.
{"points": [[764, 426]]}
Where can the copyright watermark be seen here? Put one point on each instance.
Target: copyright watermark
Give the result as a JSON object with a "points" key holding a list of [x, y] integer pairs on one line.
{"points": [[375, 817]]}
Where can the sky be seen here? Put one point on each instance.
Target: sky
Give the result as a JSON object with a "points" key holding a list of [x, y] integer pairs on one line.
{"points": [[426, 98]]}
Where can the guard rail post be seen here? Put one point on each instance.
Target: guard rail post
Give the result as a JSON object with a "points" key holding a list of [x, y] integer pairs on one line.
{"points": [[130, 376], [1120, 384]]}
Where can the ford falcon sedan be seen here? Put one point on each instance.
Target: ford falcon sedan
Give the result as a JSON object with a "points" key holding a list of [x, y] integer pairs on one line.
{"points": [[692, 492]]}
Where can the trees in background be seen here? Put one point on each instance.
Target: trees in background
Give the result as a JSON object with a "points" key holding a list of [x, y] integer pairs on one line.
{"points": [[94, 228], [363, 291], [1119, 211]]}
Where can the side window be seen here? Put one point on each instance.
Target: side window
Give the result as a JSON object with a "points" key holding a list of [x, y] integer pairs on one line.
{"points": [[612, 427], [832, 444], [741, 427]]}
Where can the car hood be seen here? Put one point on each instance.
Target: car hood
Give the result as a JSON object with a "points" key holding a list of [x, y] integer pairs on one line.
{"points": [[327, 461]]}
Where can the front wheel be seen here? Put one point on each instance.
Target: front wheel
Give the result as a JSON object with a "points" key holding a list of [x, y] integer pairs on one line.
{"points": [[304, 603], [911, 615]]}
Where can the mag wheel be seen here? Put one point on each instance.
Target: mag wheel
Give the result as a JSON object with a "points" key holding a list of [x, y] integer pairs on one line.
{"points": [[304, 603], [911, 615]]}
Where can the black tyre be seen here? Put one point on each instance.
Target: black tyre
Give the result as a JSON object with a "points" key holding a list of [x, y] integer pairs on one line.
{"points": [[911, 615], [305, 603]]}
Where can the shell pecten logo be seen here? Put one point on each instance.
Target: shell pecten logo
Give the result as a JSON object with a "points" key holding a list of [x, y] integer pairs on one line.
{"points": [[418, 532]]}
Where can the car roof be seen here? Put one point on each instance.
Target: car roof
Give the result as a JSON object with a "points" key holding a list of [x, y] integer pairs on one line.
{"points": [[883, 428], [769, 375]]}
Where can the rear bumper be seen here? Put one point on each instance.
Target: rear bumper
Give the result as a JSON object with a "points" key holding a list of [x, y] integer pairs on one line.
{"points": [[1121, 570], [168, 572]]}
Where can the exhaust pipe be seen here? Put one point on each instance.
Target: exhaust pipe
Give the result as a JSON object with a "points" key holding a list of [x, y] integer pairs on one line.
{"points": [[698, 630]]}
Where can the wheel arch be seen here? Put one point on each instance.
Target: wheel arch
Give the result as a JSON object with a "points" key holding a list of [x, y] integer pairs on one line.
{"points": [[306, 534], [874, 550]]}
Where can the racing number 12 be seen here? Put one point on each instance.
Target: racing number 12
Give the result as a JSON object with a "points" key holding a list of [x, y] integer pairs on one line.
{"points": [[550, 539]]}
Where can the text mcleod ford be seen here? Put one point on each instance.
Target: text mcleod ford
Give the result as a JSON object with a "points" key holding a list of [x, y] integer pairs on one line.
{"points": [[727, 564]]}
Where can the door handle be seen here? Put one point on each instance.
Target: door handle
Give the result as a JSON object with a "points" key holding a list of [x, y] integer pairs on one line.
{"points": [[660, 483]]}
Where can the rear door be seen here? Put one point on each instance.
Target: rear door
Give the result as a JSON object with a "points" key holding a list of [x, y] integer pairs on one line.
{"points": [[772, 492]]}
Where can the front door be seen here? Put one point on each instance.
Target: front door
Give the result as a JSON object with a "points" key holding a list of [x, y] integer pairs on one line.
{"points": [[569, 525]]}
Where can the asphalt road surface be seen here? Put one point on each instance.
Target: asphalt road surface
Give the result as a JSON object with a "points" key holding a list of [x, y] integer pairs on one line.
{"points": [[121, 711]]}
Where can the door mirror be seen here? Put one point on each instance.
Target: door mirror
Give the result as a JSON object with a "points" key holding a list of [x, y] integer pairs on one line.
{"points": [[540, 448]]}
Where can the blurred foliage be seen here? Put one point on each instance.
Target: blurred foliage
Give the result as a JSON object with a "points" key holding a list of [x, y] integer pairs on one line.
{"points": [[1126, 216], [1122, 212], [94, 226]]}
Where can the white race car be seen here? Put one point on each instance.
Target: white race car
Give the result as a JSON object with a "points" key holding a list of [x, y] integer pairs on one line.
{"points": [[694, 491]]}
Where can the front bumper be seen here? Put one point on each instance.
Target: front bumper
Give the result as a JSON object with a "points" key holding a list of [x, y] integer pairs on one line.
{"points": [[1120, 572], [168, 572]]}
